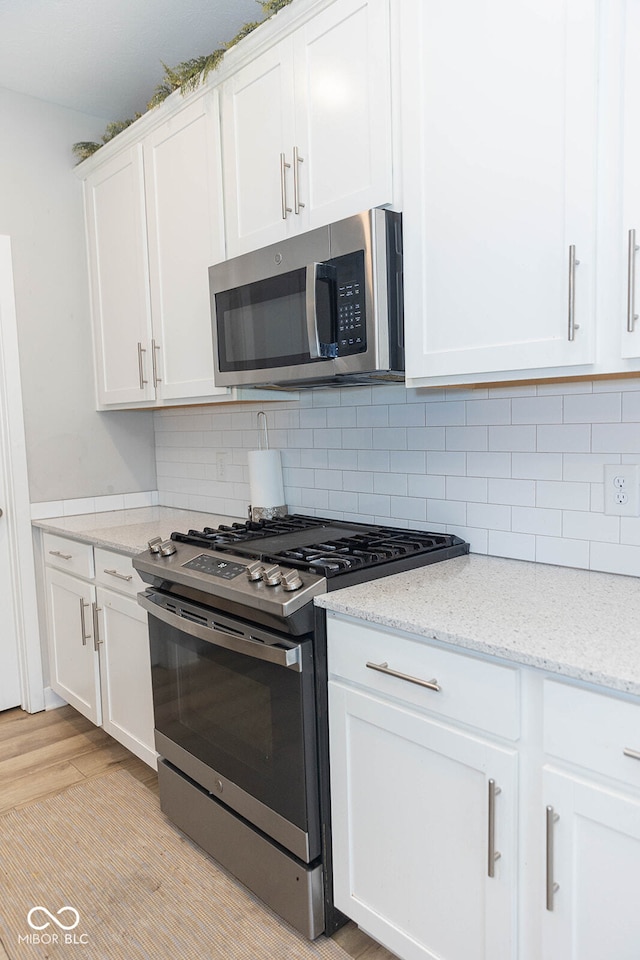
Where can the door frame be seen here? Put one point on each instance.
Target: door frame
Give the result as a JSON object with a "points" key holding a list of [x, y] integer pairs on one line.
{"points": [[17, 506]]}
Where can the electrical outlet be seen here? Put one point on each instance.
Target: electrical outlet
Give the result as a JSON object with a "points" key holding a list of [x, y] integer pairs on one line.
{"points": [[222, 459], [622, 489]]}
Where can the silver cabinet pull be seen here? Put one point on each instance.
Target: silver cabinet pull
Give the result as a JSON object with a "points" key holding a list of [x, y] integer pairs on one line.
{"points": [[297, 160], [634, 754], [284, 166], [492, 853], [632, 316], [552, 887], [154, 363], [143, 382], [573, 263], [385, 668], [120, 576], [95, 609], [83, 626], [63, 556]]}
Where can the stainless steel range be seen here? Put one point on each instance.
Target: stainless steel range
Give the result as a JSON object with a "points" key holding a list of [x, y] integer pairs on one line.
{"points": [[238, 662]]}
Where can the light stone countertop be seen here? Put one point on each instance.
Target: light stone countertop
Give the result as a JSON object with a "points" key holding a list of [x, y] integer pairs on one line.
{"points": [[129, 531], [577, 623]]}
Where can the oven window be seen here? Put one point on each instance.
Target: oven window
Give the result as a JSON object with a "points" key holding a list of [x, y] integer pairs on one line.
{"points": [[263, 324], [245, 718], [227, 707]]}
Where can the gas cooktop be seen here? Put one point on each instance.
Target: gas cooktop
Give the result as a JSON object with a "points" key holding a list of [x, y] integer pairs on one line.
{"points": [[323, 546], [269, 571]]}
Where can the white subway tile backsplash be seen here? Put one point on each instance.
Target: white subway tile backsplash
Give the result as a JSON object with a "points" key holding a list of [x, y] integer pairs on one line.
{"points": [[512, 492], [536, 410], [473, 489], [426, 486], [392, 483], [587, 467], [584, 525], [563, 494], [616, 438], [492, 516], [446, 413], [562, 552], [445, 511], [516, 469], [447, 462], [536, 520], [480, 464], [466, 438], [564, 438], [512, 438], [488, 411], [593, 408], [517, 546]]}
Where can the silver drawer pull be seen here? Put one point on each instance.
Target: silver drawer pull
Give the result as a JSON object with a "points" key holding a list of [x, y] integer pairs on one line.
{"points": [[634, 754], [385, 668], [120, 576], [551, 886], [64, 556], [492, 853]]}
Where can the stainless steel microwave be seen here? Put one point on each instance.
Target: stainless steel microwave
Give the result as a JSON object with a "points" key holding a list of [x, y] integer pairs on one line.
{"points": [[320, 308]]}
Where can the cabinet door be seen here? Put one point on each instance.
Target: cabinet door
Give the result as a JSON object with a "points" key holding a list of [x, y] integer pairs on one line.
{"points": [[127, 703], [258, 139], [499, 128], [411, 833], [596, 864], [628, 247], [183, 181], [74, 664], [117, 248], [343, 110]]}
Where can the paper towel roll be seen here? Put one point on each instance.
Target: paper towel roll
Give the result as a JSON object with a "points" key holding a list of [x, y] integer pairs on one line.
{"points": [[265, 479]]}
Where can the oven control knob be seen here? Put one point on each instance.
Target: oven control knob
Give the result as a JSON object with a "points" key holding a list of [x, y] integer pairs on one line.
{"points": [[255, 570], [291, 580], [167, 548], [272, 575], [154, 545]]}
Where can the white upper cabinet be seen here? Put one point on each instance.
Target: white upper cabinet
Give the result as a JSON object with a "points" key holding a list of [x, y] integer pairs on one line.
{"points": [[154, 226], [117, 247], [307, 127], [183, 186], [627, 251], [499, 108]]}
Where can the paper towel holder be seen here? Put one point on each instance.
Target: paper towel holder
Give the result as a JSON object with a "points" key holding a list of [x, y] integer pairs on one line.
{"points": [[271, 512]]}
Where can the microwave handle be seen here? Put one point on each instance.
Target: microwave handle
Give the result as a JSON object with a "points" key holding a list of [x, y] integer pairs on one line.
{"points": [[324, 273]]}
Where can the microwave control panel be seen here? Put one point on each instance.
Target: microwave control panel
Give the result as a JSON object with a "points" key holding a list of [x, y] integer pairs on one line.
{"points": [[351, 333]]}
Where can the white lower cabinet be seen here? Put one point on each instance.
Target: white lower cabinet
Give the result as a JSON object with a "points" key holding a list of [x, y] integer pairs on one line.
{"points": [[424, 813], [591, 793], [98, 641], [426, 803]]}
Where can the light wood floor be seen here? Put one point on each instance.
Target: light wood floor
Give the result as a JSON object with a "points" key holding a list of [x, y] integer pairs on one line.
{"points": [[45, 753]]}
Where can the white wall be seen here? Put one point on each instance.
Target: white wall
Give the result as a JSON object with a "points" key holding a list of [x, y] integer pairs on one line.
{"points": [[72, 450], [517, 471]]}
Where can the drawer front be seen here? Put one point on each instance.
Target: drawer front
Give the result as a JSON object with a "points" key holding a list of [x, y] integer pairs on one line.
{"points": [[471, 690], [592, 730], [68, 555], [114, 570]]}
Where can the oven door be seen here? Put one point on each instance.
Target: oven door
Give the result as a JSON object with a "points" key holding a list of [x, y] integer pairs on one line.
{"points": [[234, 711]]}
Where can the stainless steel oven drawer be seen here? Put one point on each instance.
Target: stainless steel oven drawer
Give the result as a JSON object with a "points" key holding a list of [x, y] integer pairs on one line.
{"points": [[294, 890]]}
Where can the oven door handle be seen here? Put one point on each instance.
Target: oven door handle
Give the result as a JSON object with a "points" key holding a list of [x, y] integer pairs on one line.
{"points": [[250, 648]]}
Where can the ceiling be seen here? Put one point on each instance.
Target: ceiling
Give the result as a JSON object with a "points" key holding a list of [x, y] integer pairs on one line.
{"points": [[104, 57]]}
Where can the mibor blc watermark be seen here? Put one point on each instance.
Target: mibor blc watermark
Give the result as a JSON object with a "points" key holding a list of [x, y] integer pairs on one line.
{"points": [[44, 924]]}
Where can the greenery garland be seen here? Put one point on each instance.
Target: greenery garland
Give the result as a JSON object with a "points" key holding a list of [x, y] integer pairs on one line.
{"points": [[187, 76]]}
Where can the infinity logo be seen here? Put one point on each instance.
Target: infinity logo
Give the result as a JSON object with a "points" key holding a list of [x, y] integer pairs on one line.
{"points": [[58, 923]]}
